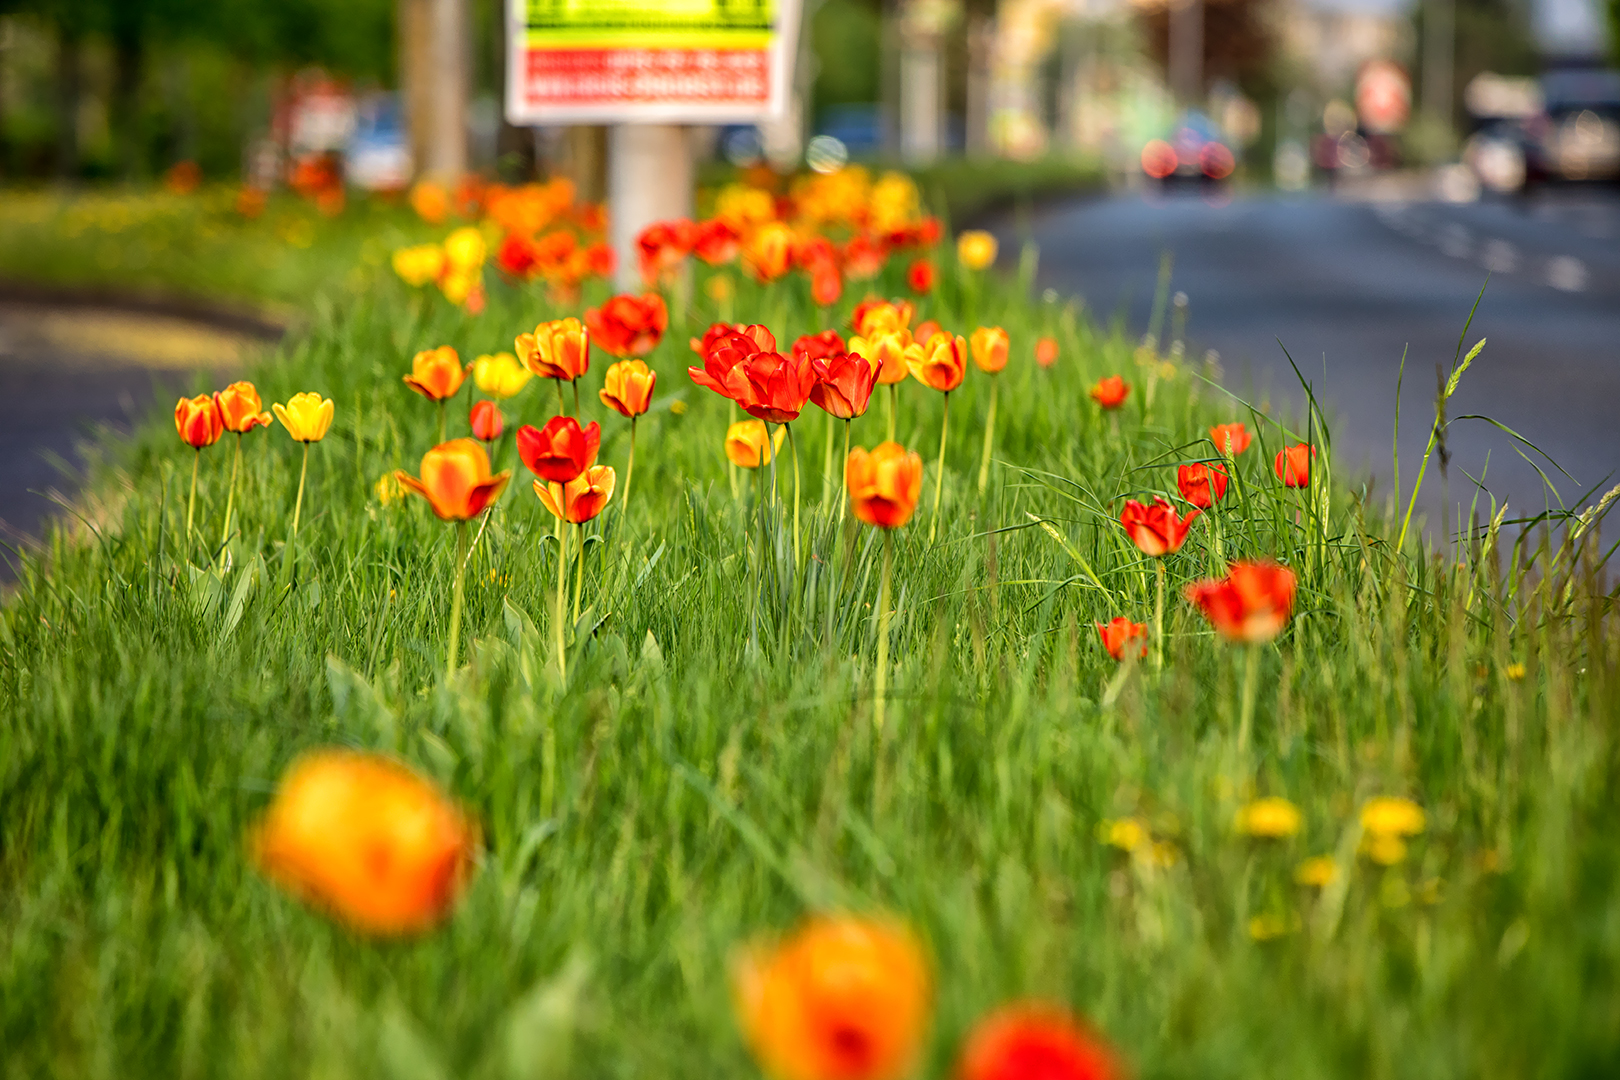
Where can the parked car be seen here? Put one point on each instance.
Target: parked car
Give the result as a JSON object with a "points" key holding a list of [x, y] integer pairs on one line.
{"points": [[1576, 136], [1194, 153]]}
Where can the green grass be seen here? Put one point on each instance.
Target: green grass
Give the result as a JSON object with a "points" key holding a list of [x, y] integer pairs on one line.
{"points": [[687, 788]]}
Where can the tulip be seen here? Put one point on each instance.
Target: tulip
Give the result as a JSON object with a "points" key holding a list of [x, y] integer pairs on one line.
{"points": [[200, 424], [1293, 465], [1035, 1041], [748, 444], [1251, 605], [769, 252], [989, 346], [775, 389], [1157, 531], [843, 390], [976, 249], [662, 246], [863, 257], [1046, 351], [430, 201], [724, 350], [419, 265], [714, 333], [884, 487], [368, 840], [307, 418], [886, 350], [941, 364], [925, 331], [1200, 484], [629, 325], [436, 374], [841, 999], [465, 248], [456, 482], [820, 346], [1110, 392], [920, 276], [717, 242], [560, 451], [574, 501], [1118, 634], [486, 421], [826, 285], [881, 317], [628, 391], [240, 410], [559, 349], [1229, 439], [500, 375]]}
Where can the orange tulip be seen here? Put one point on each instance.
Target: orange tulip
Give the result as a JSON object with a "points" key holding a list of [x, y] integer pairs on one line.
{"points": [[629, 387], [456, 480], [1293, 465], [629, 325], [769, 252], [925, 331], [881, 317], [842, 999], [989, 346], [826, 284], [582, 498], [198, 421], [486, 421], [1035, 1041], [1156, 529], [1046, 351], [887, 353], [940, 364], [559, 349], [1200, 484], [1229, 439], [1111, 392], [240, 409], [748, 446], [1118, 634], [1251, 604], [884, 484], [367, 839], [436, 374], [844, 383]]}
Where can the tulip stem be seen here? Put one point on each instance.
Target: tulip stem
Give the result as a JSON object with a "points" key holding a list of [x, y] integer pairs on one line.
{"points": [[939, 473], [1251, 670], [843, 477], [827, 465], [894, 407], [456, 597], [441, 421], [579, 574], [794, 445], [629, 470], [881, 690], [562, 580], [562, 410], [989, 437], [230, 498], [1158, 617], [731, 466], [298, 503], [575, 383], [191, 503]]}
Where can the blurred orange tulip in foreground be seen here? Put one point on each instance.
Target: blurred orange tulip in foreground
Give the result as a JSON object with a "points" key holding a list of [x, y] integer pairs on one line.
{"points": [[198, 421], [456, 480], [559, 349], [1119, 633], [240, 408], [1200, 484], [1230, 439], [628, 325], [841, 999], [628, 387], [1156, 529], [1046, 351], [436, 374], [1293, 465], [368, 840], [582, 498], [1035, 1041], [561, 450], [884, 484], [1110, 392], [748, 446], [1251, 604]]}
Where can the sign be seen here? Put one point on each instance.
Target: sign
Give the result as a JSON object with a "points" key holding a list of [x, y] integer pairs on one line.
{"points": [[649, 61], [1383, 97]]}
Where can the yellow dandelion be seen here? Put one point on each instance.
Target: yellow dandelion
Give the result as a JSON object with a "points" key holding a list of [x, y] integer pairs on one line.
{"points": [[1317, 872], [1273, 818], [1126, 834], [1515, 672], [1385, 849], [1268, 927], [1391, 815]]}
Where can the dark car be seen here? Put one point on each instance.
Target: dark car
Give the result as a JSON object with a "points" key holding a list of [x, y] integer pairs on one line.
{"points": [[1194, 153], [1576, 136]]}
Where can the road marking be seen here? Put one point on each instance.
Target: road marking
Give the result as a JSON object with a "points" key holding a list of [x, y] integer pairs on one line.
{"points": [[1567, 273]]}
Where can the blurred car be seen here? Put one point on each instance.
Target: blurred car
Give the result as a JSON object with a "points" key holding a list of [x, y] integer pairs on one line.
{"points": [[1495, 154], [1576, 136], [1194, 153]]}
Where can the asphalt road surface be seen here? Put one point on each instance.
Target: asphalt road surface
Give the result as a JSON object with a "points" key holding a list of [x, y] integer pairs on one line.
{"points": [[1347, 285]]}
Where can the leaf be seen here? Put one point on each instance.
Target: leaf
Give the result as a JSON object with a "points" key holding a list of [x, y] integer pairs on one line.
{"points": [[538, 1030]]}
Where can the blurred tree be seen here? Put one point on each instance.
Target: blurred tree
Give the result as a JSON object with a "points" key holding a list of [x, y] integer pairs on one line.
{"points": [[1239, 43], [1492, 35], [847, 38]]}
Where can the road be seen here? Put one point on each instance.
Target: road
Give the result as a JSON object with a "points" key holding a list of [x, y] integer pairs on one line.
{"points": [[1346, 285], [70, 373]]}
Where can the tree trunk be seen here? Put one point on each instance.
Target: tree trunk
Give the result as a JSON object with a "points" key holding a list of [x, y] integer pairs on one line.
{"points": [[129, 62], [69, 82]]}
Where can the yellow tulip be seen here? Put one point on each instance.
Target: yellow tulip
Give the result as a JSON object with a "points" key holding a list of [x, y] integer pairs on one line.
{"points": [[976, 249], [500, 375], [465, 248], [306, 416]]}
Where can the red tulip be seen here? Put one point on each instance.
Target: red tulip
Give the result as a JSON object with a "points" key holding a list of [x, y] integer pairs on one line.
{"points": [[826, 286], [1202, 485], [771, 387], [714, 333], [864, 258], [1229, 439], [1046, 351], [818, 346], [921, 276], [1156, 529], [628, 325], [1251, 604], [1111, 392], [518, 256], [561, 450], [486, 420], [716, 242], [844, 384], [1120, 633], [663, 245], [199, 421], [1035, 1041], [725, 352], [1293, 465]]}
